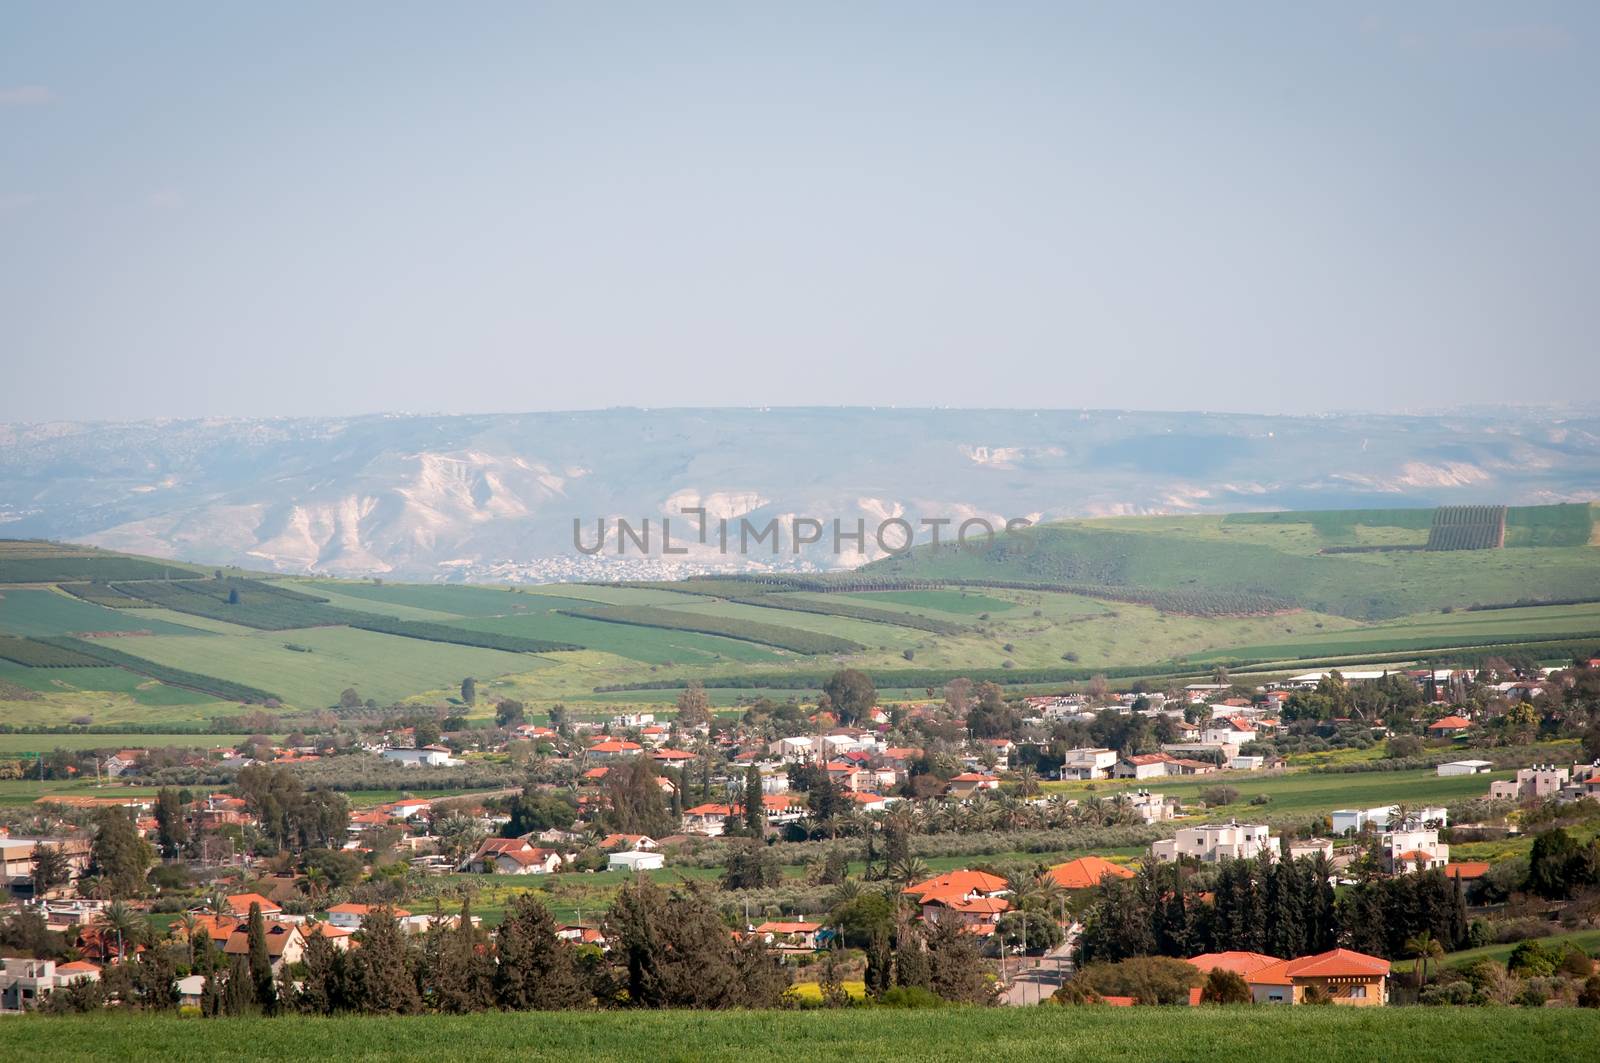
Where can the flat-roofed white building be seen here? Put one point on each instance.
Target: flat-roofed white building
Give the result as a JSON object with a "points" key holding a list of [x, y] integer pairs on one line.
{"points": [[1217, 841]]}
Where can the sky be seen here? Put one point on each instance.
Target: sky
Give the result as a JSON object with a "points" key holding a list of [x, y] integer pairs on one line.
{"points": [[308, 209]]}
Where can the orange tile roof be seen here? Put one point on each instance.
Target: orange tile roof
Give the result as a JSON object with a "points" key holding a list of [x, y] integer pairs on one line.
{"points": [[1450, 722], [963, 881], [1243, 963], [1086, 872], [241, 902], [1467, 869], [1335, 963]]}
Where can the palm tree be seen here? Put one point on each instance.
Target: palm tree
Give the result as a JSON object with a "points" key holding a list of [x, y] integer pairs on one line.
{"points": [[1424, 947], [122, 920], [1027, 782], [189, 923], [908, 871]]}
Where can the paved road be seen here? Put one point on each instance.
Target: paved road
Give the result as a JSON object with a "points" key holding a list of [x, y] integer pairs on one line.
{"points": [[1033, 984]]}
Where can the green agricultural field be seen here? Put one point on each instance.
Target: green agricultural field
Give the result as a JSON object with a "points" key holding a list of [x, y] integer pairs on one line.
{"points": [[48, 612], [1091, 1035], [958, 603], [33, 744], [379, 666], [645, 645], [1273, 557], [17, 792], [1428, 631], [1300, 792]]}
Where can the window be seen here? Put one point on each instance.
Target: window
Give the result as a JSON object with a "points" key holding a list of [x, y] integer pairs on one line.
{"points": [[1359, 992]]}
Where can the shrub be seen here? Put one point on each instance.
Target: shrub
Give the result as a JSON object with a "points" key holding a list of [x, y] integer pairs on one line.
{"points": [[1225, 987]]}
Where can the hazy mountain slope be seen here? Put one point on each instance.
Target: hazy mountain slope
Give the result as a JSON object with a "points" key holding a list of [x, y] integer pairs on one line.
{"points": [[496, 495]]}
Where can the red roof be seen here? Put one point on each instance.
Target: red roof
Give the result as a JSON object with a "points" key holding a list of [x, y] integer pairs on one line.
{"points": [[1242, 963], [1336, 963], [957, 883], [1450, 723], [241, 902], [1086, 872], [1467, 869]]}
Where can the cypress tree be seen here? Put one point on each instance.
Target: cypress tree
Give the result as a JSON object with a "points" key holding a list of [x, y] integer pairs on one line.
{"points": [[880, 963], [320, 990], [238, 993], [262, 986], [910, 957], [385, 980], [755, 812], [537, 970]]}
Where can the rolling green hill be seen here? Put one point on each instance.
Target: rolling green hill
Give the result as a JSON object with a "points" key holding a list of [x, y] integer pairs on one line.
{"points": [[1163, 598]]}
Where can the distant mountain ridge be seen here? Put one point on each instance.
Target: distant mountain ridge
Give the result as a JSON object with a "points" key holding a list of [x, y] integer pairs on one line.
{"points": [[495, 496]]}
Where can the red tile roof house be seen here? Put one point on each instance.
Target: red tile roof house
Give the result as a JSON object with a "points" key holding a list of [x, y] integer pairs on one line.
{"points": [[970, 782], [972, 898], [1086, 872], [351, 916], [629, 842], [793, 936], [1350, 978], [239, 904], [1449, 726], [512, 856], [285, 943]]}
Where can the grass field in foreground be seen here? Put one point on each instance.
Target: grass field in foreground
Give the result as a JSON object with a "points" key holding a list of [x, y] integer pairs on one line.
{"points": [[1307, 791], [1090, 1035]]}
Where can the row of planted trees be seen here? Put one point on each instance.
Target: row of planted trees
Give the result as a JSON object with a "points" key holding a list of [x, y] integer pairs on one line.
{"points": [[664, 950]]}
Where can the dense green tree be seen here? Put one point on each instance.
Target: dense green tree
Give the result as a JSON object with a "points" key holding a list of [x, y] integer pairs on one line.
{"points": [[50, 868], [469, 690], [755, 810], [172, 829], [955, 966], [263, 988], [537, 970], [851, 695], [119, 856], [635, 804], [751, 866], [384, 980], [323, 988], [677, 952], [462, 970]]}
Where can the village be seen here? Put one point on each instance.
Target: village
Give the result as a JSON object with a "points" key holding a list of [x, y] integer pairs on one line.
{"points": [[810, 830]]}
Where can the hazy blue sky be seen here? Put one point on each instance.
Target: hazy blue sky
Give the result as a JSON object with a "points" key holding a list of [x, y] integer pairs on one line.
{"points": [[335, 208]]}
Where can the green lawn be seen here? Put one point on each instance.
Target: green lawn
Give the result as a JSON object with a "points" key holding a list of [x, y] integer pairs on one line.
{"points": [[1091, 1035], [1309, 792]]}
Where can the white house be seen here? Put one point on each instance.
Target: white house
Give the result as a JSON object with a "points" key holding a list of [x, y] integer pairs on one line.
{"points": [[1217, 841], [635, 860], [426, 757], [1089, 763], [25, 983], [1352, 820], [512, 856]]}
